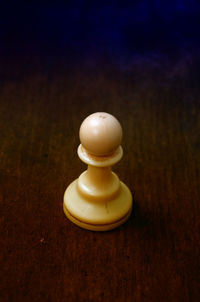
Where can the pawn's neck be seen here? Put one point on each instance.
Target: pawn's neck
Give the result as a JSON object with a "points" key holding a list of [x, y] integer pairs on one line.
{"points": [[98, 174], [99, 182]]}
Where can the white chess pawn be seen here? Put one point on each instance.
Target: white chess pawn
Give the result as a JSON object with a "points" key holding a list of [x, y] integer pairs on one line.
{"points": [[98, 200]]}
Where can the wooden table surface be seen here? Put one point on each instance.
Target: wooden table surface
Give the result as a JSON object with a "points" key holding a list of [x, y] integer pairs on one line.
{"points": [[44, 98], [155, 255]]}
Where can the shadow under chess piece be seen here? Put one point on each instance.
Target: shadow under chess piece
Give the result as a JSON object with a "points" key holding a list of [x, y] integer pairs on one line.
{"points": [[98, 200]]}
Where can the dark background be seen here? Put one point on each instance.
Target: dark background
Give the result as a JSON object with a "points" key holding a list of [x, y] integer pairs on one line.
{"points": [[59, 62]]}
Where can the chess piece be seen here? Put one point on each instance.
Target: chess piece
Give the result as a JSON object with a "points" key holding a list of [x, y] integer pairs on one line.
{"points": [[98, 200]]}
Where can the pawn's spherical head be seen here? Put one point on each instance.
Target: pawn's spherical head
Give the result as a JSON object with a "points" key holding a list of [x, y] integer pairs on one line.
{"points": [[100, 134]]}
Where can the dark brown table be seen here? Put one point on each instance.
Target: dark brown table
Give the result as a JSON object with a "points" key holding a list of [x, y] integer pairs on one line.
{"points": [[155, 255]]}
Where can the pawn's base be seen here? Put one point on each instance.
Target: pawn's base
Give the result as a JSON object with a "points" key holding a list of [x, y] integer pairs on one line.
{"points": [[95, 227], [97, 215]]}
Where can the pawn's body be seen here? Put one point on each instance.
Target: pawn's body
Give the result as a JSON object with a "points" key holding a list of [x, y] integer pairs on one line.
{"points": [[98, 200]]}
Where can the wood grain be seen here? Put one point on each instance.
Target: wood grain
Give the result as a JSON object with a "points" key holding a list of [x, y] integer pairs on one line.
{"points": [[155, 255]]}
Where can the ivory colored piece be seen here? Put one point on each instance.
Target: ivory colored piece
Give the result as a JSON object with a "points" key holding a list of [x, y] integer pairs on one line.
{"points": [[98, 200]]}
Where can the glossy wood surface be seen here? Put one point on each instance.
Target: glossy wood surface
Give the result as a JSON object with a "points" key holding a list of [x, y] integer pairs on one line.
{"points": [[155, 255]]}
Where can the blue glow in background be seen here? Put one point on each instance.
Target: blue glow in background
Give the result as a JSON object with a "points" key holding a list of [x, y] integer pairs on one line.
{"points": [[112, 27]]}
